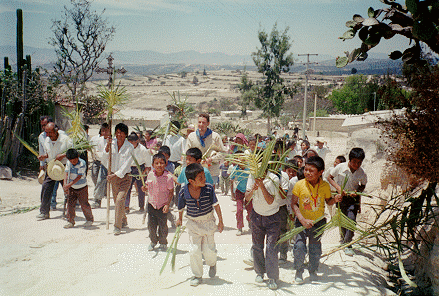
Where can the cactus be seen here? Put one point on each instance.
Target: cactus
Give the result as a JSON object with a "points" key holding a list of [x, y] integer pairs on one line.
{"points": [[28, 64], [20, 45], [7, 66]]}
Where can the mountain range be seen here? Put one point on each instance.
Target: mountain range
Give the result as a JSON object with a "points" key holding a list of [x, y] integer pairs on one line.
{"points": [[151, 62]]}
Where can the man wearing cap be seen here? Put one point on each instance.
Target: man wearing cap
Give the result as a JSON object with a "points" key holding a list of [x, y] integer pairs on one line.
{"points": [[207, 141], [55, 147], [320, 148]]}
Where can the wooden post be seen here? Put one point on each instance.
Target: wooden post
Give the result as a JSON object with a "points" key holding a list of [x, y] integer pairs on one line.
{"points": [[109, 172]]}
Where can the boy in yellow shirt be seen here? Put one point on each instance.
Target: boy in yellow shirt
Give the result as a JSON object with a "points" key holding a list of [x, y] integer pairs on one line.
{"points": [[308, 204]]}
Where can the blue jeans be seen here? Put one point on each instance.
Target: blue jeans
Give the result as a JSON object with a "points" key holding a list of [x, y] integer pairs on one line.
{"points": [[314, 247], [101, 185], [351, 212], [55, 190], [140, 193]]}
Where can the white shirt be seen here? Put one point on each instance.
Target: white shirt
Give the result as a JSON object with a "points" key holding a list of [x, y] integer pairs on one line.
{"points": [[322, 152], [142, 155], [354, 180], [41, 149], [121, 159], [291, 184], [175, 143], [284, 183], [60, 146], [260, 205]]}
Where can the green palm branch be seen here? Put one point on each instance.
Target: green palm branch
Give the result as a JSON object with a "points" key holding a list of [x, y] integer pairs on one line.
{"points": [[293, 232], [172, 249], [26, 145], [113, 97], [77, 132], [140, 176]]}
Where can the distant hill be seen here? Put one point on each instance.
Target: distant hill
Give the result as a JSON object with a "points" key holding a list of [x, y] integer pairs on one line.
{"points": [[148, 62]]}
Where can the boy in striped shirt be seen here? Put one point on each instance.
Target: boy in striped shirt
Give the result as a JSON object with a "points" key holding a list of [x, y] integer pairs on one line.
{"points": [[200, 200], [76, 189]]}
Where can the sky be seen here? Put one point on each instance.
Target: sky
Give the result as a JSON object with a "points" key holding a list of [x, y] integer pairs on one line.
{"points": [[227, 26]]}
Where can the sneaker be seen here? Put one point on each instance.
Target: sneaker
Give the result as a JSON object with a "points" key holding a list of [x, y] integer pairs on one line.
{"points": [[124, 224], [151, 247], [142, 209], [88, 223], [212, 271], [43, 216], [313, 276], [68, 225], [249, 262], [239, 232], [116, 230], [349, 252], [299, 277], [127, 210], [163, 247], [195, 281], [272, 284], [259, 278]]}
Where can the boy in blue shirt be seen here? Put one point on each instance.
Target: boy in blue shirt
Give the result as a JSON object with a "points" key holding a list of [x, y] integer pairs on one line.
{"points": [[76, 189], [193, 155], [199, 199]]}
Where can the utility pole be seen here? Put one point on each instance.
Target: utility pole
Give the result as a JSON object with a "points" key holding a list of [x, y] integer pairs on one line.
{"points": [[306, 90], [315, 114]]}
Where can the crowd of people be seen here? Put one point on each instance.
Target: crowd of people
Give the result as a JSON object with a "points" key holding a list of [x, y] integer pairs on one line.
{"points": [[184, 171]]}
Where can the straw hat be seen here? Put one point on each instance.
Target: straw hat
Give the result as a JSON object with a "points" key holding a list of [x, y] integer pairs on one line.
{"points": [[188, 130], [320, 140], [56, 170], [41, 176]]}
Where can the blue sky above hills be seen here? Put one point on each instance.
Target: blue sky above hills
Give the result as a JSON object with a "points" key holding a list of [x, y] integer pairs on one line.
{"points": [[227, 26]]}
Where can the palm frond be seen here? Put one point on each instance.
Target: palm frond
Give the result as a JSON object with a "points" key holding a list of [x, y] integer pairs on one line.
{"points": [[172, 249], [293, 232], [113, 96], [25, 144], [140, 176]]}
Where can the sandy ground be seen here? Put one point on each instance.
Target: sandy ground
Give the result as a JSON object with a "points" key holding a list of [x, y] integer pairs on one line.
{"points": [[43, 258]]}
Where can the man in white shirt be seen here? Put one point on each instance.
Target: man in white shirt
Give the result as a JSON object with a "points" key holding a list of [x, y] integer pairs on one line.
{"points": [[265, 223], [175, 143], [55, 146], [98, 169], [143, 158], [208, 142], [321, 148], [355, 178], [118, 174]]}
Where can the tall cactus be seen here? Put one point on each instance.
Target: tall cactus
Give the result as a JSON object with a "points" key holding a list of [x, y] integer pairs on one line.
{"points": [[28, 64], [20, 45], [7, 66]]}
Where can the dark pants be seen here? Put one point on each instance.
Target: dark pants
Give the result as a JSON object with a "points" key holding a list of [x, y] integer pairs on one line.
{"points": [[265, 227], [350, 210], [80, 195], [46, 194], [139, 184], [283, 212], [156, 218], [314, 249]]}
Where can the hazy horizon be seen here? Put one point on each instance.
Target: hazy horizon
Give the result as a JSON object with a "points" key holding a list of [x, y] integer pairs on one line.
{"points": [[224, 26]]}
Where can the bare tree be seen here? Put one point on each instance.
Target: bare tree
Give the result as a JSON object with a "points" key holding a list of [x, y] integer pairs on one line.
{"points": [[79, 40]]}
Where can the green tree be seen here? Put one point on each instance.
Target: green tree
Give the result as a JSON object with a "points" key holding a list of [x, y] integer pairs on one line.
{"points": [[248, 93], [356, 96], [272, 59], [79, 40]]}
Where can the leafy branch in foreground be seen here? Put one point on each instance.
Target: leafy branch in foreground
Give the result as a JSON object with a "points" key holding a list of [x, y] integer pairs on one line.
{"points": [[172, 249]]}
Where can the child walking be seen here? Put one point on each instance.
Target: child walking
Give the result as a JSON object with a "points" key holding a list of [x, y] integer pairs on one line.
{"points": [[356, 181], [240, 175], [308, 203], [160, 186], [199, 199], [76, 189]]}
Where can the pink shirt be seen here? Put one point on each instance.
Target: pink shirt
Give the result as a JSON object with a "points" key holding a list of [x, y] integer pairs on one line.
{"points": [[159, 188]]}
